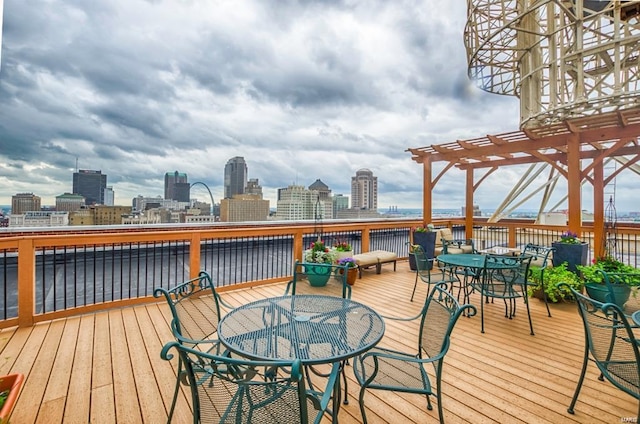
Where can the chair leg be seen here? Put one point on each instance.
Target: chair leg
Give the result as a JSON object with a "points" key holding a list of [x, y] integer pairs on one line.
{"points": [[362, 410], [544, 296], [175, 392], [526, 301], [415, 284], [581, 379]]}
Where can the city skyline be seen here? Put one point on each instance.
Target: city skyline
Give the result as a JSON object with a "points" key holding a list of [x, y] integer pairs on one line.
{"points": [[301, 90]]}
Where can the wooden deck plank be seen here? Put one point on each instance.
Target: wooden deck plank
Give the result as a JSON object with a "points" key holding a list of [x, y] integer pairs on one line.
{"points": [[106, 368], [148, 393], [42, 359], [102, 399], [78, 405], [124, 386]]}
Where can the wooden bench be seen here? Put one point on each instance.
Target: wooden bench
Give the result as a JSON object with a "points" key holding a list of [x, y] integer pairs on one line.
{"points": [[375, 258]]}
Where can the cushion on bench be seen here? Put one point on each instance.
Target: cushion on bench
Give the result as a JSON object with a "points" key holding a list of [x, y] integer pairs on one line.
{"points": [[375, 258]]}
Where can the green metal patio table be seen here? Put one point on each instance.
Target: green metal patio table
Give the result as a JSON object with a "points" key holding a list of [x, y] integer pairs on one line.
{"points": [[315, 329]]}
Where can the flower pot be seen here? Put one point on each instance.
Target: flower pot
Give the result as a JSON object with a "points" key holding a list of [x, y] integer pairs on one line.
{"points": [[318, 276], [12, 383], [428, 242], [601, 293], [352, 275], [572, 254]]}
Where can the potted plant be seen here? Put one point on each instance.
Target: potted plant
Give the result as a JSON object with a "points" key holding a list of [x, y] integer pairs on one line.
{"points": [[552, 277], [412, 257], [570, 249], [352, 269], [318, 253], [622, 279], [10, 386], [343, 249], [425, 237]]}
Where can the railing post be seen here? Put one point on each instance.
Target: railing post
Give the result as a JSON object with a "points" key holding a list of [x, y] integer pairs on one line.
{"points": [[194, 255], [365, 240], [298, 248], [512, 236], [26, 282]]}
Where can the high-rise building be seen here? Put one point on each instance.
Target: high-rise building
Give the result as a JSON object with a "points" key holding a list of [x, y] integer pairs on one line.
{"points": [[24, 202], [297, 203], [340, 202], [109, 196], [91, 185], [253, 187], [69, 202], [176, 186], [324, 202], [364, 190], [244, 207], [235, 177]]}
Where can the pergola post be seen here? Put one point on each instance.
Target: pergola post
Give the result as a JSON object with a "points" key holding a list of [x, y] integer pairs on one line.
{"points": [[427, 189], [574, 188], [468, 216], [598, 209]]}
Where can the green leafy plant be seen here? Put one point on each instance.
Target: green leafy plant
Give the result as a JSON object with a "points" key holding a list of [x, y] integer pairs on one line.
{"points": [[342, 246], [428, 228], [3, 397], [591, 273], [570, 237], [552, 277], [319, 253]]}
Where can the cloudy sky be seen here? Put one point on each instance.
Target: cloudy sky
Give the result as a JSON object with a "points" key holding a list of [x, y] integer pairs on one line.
{"points": [[301, 89]]}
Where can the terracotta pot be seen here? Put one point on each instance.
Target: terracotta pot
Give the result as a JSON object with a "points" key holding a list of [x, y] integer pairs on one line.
{"points": [[12, 383], [352, 275]]}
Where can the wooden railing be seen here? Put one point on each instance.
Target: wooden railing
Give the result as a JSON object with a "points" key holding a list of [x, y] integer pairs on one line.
{"points": [[58, 274]]}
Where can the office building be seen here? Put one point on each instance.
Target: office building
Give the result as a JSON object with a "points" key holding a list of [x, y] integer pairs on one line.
{"points": [[244, 207], [24, 202], [364, 190], [253, 187], [339, 202], [90, 184], [176, 186], [235, 177], [39, 219], [109, 196], [324, 203], [298, 203], [69, 202]]}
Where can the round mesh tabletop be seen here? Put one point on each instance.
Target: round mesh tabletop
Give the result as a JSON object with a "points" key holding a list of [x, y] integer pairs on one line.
{"points": [[315, 329]]}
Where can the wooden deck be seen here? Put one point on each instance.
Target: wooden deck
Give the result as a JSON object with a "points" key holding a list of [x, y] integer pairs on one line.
{"points": [[106, 368]]}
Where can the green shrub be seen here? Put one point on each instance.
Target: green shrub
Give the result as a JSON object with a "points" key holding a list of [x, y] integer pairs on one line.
{"points": [[552, 277]]}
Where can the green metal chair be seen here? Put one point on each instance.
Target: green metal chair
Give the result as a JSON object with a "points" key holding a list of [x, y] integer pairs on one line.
{"points": [[387, 369], [540, 259], [506, 278], [460, 246], [195, 310], [425, 268], [235, 390], [611, 344]]}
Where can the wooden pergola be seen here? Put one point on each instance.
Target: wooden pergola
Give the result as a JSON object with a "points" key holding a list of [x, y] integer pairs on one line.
{"points": [[563, 146]]}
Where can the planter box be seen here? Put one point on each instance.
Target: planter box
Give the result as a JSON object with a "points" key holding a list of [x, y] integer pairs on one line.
{"points": [[428, 242], [13, 383], [572, 254]]}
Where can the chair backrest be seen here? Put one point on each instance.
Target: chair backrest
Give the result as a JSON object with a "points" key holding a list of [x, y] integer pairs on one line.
{"points": [[302, 270], [439, 315], [539, 254], [611, 342], [423, 264], [195, 309], [503, 272], [236, 390]]}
